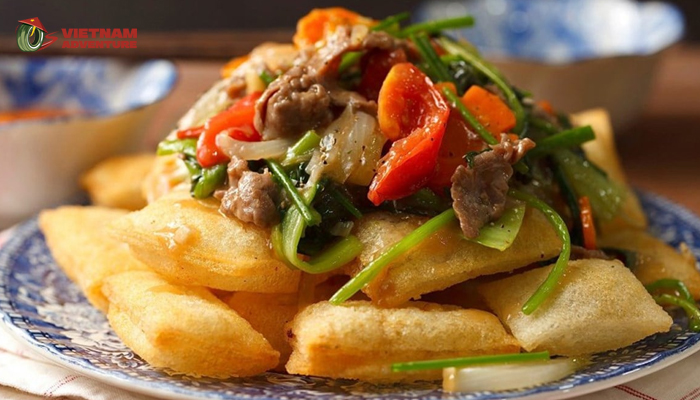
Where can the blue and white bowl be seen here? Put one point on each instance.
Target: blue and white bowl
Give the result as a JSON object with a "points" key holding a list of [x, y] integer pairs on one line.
{"points": [[41, 159], [578, 54]]}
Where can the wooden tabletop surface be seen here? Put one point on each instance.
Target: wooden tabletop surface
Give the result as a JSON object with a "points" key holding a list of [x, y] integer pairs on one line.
{"points": [[660, 151]]}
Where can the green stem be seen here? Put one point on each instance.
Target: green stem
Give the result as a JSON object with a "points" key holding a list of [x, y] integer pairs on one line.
{"points": [[267, 78], [557, 271], [372, 269], [211, 179], [427, 52], [311, 216], [434, 27], [467, 361], [345, 202], [570, 138], [671, 284], [388, 23], [490, 72], [690, 308], [187, 147]]}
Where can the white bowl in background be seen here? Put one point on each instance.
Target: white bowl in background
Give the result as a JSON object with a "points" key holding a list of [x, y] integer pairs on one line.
{"points": [[41, 159]]}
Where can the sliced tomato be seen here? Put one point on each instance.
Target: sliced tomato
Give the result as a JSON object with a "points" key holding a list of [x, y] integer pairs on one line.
{"points": [[375, 67], [458, 140], [489, 109], [192, 133], [237, 120], [413, 114]]}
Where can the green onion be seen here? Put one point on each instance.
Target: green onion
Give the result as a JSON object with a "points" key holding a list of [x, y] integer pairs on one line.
{"points": [[434, 27], [690, 308], [389, 23], [569, 194], [345, 202], [570, 138], [372, 269], [302, 147], [468, 117], [211, 179], [543, 125], [311, 216], [485, 68], [557, 271], [466, 361], [605, 195], [437, 68], [267, 78], [500, 234], [187, 147], [672, 284], [286, 237]]}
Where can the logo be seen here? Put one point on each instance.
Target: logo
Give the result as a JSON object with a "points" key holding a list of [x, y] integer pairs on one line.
{"points": [[31, 35]]}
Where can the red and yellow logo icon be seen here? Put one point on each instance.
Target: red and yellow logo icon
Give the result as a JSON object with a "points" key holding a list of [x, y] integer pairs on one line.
{"points": [[32, 36]]}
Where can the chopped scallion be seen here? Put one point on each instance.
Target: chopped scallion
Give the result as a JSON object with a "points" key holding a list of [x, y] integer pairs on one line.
{"points": [[372, 269], [302, 147], [690, 308], [671, 284], [437, 26], [437, 68], [468, 117], [311, 216], [557, 271], [187, 147], [564, 139], [500, 234], [345, 202], [390, 23], [466, 361], [267, 78], [211, 179]]}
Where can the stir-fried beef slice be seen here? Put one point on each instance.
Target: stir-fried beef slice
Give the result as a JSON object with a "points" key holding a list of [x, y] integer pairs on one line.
{"points": [[479, 192], [582, 253], [302, 98], [251, 196]]}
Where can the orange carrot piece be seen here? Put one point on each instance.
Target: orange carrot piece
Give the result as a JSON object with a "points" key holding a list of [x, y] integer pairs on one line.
{"points": [[588, 227], [489, 109], [231, 66], [546, 106], [315, 25]]}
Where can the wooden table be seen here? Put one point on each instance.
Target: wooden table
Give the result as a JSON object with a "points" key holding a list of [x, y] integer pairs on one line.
{"points": [[661, 151]]}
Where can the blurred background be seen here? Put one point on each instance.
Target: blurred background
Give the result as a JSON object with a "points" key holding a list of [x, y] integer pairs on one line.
{"points": [[652, 92]]}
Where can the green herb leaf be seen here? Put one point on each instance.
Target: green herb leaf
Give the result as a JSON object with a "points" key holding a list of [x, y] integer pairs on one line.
{"points": [[467, 361]]}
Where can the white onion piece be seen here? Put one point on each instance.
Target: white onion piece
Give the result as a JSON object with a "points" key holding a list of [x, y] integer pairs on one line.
{"points": [[350, 146], [252, 150], [505, 376], [212, 102]]}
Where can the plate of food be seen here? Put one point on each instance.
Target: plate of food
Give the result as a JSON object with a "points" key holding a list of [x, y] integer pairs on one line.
{"points": [[372, 211]]}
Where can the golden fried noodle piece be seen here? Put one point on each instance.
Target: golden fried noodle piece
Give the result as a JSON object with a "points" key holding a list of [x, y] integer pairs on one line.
{"points": [[189, 242], [184, 328], [81, 246], [268, 313], [446, 258], [655, 259], [360, 341], [598, 305], [116, 182]]}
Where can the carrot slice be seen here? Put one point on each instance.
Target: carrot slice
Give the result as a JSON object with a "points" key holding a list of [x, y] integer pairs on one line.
{"points": [[322, 21], [587, 225], [489, 109]]}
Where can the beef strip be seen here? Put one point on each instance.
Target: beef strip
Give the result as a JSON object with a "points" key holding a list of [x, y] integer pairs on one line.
{"points": [[251, 196], [479, 192], [303, 97]]}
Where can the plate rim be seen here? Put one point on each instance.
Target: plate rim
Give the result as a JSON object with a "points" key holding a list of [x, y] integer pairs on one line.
{"points": [[48, 352]]}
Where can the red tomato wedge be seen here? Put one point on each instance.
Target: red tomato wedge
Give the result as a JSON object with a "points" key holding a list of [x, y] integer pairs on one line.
{"points": [[413, 114], [458, 140], [238, 120], [375, 66], [490, 110]]}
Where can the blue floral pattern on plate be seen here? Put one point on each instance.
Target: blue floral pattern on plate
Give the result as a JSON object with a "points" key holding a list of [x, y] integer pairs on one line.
{"points": [[40, 305]]}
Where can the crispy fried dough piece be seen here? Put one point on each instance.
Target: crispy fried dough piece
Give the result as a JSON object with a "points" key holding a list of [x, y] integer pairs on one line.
{"points": [[184, 328], [655, 259], [116, 182], [360, 341], [603, 153], [189, 242], [81, 246], [444, 259], [268, 313], [598, 305]]}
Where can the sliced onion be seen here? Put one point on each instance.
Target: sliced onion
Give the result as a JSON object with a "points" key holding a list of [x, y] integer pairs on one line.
{"points": [[506, 376], [252, 150], [350, 149]]}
